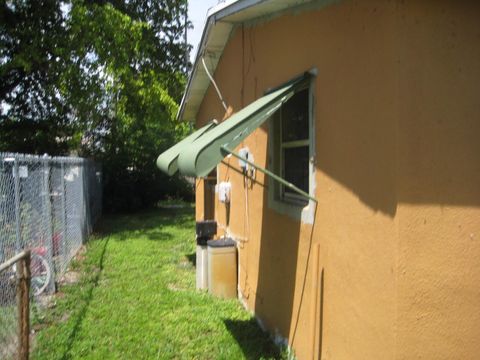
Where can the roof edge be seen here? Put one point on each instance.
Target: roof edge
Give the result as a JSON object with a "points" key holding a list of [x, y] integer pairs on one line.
{"points": [[221, 21], [214, 14]]}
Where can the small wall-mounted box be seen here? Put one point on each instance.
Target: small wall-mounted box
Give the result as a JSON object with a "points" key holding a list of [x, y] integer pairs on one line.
{"points": [[244, 153], [206, 229], [224, 189]]}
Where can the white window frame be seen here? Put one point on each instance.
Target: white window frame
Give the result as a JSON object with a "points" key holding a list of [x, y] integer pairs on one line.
{"points": [[290, 204]]}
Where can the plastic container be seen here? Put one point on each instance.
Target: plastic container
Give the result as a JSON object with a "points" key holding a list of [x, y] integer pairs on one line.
{"points": [[222, 268], [202, 267], [205, 230]]}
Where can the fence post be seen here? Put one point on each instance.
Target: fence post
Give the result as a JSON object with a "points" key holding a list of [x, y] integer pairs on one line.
{"points": [[64, 210], [48, 223], [81, 207], [86, 198], [85, 202], [23, 301], [18, 230]]}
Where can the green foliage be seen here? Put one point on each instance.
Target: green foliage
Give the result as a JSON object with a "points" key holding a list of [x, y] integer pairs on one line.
{"points": [[136, 299], [101, 79], [31, 47]]}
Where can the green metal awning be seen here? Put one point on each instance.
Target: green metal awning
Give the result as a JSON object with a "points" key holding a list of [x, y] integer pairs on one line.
{"points": [[201, 156], [200, 152], [167, 161]]}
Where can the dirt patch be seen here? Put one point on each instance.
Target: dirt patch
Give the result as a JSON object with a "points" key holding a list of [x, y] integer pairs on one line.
{"points": [[81, 254], [175, 287], [70, 277], [46, 301]]}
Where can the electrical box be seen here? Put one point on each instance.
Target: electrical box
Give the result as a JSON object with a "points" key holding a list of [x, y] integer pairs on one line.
{"points": [[224, 192], [243, 152], [206, 229], [246, 154]]}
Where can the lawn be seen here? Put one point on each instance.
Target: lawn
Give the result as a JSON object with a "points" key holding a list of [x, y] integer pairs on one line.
{"points": [[136, 299]]}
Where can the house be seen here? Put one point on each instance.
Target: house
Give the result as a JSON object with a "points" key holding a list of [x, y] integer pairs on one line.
{"points": [[371, 109]]}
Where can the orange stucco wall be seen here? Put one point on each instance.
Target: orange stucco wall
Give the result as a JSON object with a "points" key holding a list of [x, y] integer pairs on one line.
{"points": [[390, 268]]}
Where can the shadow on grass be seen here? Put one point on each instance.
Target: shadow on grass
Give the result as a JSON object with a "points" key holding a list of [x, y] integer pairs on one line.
{"points": [[255, 343], [93, 283], [146, 222], [192, 258], [153, 235]]}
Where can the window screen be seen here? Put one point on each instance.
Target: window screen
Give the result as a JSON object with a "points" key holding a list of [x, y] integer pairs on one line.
{"points": [[294, 144]]}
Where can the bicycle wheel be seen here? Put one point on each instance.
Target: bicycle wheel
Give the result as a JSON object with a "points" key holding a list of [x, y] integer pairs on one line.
{"points": [[40, 274]]}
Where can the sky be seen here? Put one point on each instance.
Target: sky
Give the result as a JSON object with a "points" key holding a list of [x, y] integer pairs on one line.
{"points": [[197, 13]]}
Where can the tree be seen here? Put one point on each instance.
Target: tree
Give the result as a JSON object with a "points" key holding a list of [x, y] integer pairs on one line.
{"points": [[98, 78], [30, 50]]}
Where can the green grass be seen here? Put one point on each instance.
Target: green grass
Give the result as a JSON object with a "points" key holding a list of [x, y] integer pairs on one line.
{"points": [[8, 330], [136, 299]]}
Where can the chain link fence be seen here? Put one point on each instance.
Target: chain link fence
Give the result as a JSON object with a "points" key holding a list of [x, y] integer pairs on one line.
{"points": [[48, 205]]}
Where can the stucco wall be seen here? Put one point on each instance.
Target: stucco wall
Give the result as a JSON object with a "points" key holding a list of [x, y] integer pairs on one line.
{"points": [[439, 181], [395, 245]]}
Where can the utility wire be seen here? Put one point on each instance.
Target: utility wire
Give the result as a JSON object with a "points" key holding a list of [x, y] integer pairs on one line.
{"points": [[214, 84]]}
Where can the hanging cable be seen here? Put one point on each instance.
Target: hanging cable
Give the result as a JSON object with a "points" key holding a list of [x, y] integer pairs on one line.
{"points": [[214, 84]]}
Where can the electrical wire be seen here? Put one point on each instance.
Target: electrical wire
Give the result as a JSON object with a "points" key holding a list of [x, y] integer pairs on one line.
{"points": [[214, 84], [246, 230]]}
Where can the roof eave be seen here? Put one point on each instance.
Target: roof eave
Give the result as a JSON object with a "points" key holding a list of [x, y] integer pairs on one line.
{"points": [[214, 14], [223, 18]]}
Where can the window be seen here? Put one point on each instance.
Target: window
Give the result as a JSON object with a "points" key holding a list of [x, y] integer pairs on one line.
{"points": [[294, 145], [290, 152]]}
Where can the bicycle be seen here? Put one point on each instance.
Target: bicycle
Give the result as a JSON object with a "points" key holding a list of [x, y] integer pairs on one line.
{"points": [[40, 272]]}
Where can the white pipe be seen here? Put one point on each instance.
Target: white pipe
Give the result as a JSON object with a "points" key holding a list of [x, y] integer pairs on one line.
{"points": [[214, 84]]}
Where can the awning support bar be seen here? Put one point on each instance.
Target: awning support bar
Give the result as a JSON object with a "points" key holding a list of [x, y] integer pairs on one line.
{"points": [[269, 173]]}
